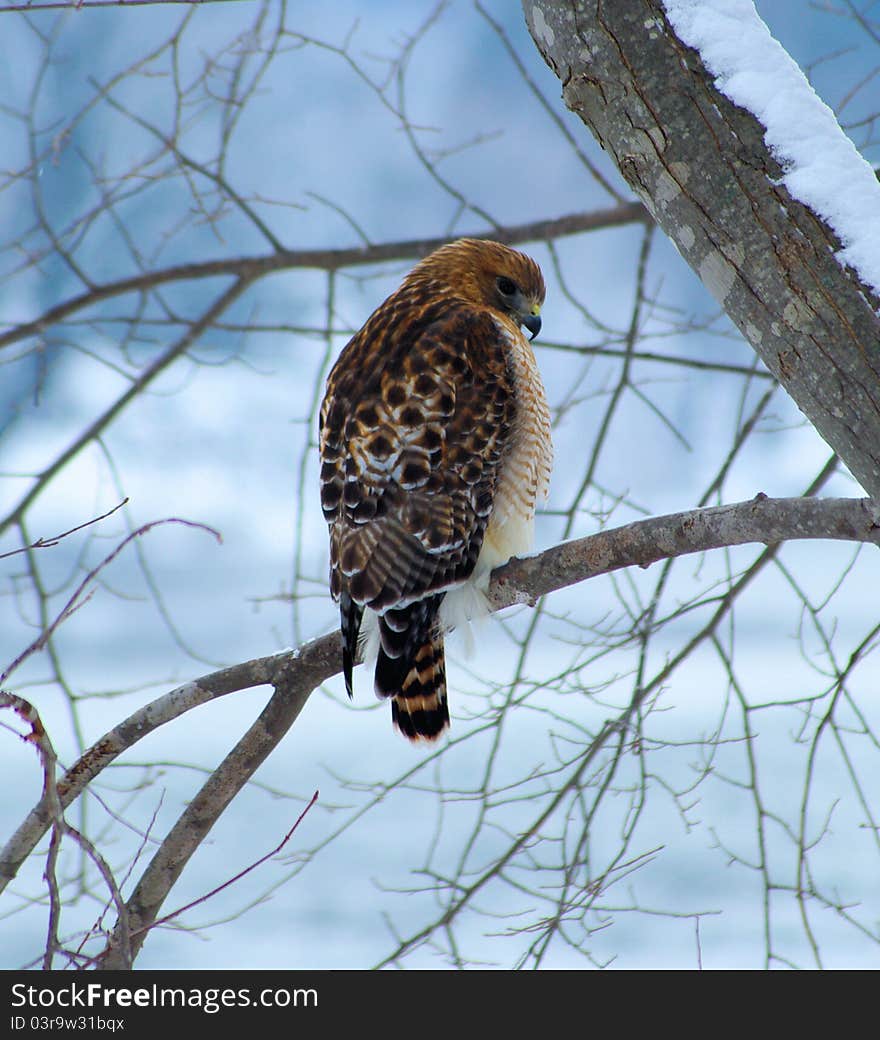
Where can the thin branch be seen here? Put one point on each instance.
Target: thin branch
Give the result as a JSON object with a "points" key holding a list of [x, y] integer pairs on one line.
{"points": [[242, 873], [250, 268], [46, 543], [32, 6], [79, 598], [96, 428]]}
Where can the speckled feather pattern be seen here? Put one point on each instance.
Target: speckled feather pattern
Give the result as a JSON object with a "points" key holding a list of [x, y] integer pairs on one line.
{"points": [[434, 441]]}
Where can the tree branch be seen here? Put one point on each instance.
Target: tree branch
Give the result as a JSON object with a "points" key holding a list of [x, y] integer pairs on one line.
{"points": [[295, 674], [248, 269], [765, 520]]}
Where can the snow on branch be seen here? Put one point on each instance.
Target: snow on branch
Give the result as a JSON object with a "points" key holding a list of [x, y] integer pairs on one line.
{"points": [[725, 181], [821, 166]]}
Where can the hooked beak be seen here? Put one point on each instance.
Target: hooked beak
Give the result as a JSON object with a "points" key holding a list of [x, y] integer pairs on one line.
{"points": [[533, 323]]}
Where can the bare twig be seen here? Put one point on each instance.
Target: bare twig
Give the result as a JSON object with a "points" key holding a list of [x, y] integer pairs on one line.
{"points": [[248, 269], [242, 873], [45, 543], [79, 597]]}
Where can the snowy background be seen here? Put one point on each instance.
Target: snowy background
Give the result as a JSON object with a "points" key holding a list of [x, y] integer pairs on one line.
{"points": [[225, 437]]}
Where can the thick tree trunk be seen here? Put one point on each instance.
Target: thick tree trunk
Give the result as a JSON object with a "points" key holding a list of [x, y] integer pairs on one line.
{"points": [[701, 166]]}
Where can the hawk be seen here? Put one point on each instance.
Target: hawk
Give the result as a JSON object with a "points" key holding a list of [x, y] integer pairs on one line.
{"points": [[435, 447]]}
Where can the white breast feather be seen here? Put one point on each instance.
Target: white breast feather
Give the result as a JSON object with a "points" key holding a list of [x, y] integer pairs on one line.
{"points": [[523, 477]]}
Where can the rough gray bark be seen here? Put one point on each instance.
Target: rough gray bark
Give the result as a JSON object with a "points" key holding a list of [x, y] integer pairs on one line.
{"points": [[701, 167]]}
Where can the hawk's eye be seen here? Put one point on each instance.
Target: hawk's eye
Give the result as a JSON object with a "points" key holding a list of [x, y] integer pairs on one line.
{"points": [[506, 287]]}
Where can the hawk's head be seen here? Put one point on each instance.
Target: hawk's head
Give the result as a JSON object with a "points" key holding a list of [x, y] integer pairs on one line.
{"points": [[489, 275]]}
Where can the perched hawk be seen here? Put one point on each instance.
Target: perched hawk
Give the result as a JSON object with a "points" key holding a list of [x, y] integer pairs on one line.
{"points": [[435, 445]]}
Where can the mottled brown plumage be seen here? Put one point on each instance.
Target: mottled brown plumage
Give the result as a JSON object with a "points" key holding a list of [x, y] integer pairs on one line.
{"points": [[435, 444]]}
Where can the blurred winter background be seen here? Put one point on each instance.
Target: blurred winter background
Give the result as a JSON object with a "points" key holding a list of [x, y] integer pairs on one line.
{"points": [[733, 826]]}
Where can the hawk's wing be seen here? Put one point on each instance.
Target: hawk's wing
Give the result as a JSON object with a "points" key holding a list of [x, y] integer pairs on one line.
{"points": [[413, 427]]}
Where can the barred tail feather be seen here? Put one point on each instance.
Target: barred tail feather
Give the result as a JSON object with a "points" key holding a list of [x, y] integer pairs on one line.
{"points": [[411, 669], [420, 712], [350, 615]]}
